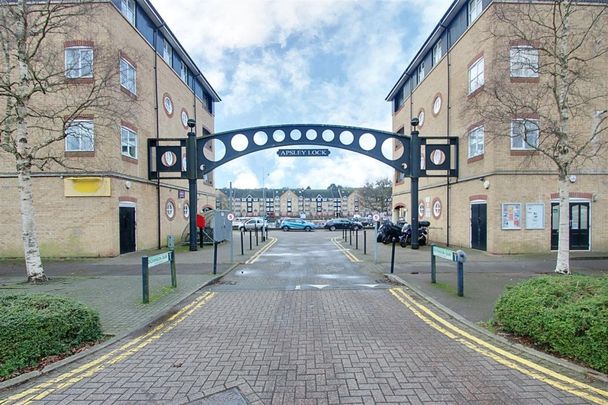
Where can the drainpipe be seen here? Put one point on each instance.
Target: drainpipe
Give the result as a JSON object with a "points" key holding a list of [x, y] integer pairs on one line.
{"points": [[449, 107], [158, 213]]}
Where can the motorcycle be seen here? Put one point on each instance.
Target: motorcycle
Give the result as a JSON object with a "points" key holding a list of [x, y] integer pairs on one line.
{"points": [[387, 232], [406, 234]]}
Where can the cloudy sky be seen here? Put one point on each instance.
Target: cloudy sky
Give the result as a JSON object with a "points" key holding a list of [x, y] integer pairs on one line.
{"points": [[302, 61]]}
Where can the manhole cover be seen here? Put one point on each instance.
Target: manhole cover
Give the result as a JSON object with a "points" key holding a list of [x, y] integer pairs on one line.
{"points": [[231, 396]]}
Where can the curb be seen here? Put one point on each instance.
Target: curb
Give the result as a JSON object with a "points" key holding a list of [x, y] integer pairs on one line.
{"points": [[574, 368], [22, 378]]}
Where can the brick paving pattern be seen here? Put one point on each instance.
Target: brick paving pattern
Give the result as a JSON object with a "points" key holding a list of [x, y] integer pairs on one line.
{"points": [[309, 347]]}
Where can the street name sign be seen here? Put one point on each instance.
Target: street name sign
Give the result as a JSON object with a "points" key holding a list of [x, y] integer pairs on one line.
{"points": [[303, 152]]}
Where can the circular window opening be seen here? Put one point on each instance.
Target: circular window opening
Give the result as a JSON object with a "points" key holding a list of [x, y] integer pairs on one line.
{"points": [[347, 137], [184, 117], [392, 149], [421, 118], [311, 134], [168, 104], [170, 209], [437, 105], [214, 152], [328, 135], [367, 141], [296, 134], [168, 159], [239, 142], [260, 138]]}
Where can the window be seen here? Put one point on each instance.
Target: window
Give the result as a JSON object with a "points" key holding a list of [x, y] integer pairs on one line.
{"points": [[183, 73], [476, 147], [127, 7], [524, 61], [421, 72], [437, 53], [437, 105], [167, 51], [79, 136], [476, 75], [524, 134], [128, 142], [170, 209], [128, 76], [78, 62], [475, 7]]}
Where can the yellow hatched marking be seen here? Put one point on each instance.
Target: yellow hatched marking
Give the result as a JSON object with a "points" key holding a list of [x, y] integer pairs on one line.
{"points": [[91, 368], [501, 356], [263, 250], [346, 252]]}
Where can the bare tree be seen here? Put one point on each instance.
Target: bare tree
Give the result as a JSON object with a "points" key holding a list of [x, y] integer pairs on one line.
{"points": [[548, 90], [41, 95], [377, 195]]}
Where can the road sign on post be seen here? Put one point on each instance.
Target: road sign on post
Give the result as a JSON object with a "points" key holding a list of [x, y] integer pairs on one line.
{"points": [[458, 256]]}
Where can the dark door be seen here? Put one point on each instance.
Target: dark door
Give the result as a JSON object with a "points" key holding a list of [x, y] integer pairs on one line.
{"points": [[579, 226], [479, 222], [127, 229]]}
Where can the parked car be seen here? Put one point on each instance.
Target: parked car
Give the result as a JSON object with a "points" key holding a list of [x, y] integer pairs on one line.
{"points": [[253, 223], [238, 222], [289, 224], [340, 223]]}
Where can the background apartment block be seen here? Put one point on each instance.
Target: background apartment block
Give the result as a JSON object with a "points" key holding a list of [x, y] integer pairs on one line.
{"points": [[108, 206], [505, 198], [314, 204]]}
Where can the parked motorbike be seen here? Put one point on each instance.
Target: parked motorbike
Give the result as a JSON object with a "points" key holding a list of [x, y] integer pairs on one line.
{"points": [[406, 234], [387, 232]]}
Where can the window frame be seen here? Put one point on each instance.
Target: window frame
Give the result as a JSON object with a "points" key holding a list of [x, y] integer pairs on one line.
{"points": [[167, 54], [130, 68], [421, 72], [79, 123], [436, 58], [475, 134], [69, 70], [527, 68], [526, 146], [128, 144], [479, 74], [475, 7], [127, 11]]}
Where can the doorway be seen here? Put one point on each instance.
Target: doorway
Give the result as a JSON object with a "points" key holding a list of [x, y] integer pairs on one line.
{"points": [[579, 225], [479, 223], [126, 218]]}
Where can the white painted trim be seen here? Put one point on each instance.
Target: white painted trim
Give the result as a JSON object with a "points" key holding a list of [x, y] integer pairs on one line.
{"points": [[128, 204]]}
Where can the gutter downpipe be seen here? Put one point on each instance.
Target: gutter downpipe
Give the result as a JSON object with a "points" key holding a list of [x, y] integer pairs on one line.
{"points": [[449, 61], [158, 213]]}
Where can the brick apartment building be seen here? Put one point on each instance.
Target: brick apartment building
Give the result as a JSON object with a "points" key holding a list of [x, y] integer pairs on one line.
{"points": [[505, 197], [313, 203], [111, 207]]}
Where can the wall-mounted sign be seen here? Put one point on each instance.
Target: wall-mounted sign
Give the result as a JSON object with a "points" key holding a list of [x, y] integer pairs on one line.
{"points": [[511, 216], [303, 152], [535, 216], [436, 208]]}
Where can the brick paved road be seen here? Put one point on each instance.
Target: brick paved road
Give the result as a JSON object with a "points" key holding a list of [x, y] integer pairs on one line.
{"points": [[274, 333]]}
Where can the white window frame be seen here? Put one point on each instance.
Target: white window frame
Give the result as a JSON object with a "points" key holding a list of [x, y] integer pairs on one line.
{"points": [[437, 53], [126, 81], [476, 141], [476, 75], [523, 61], [167, 51], [475, 9], [515, 137], [183, 73], [127, 8], [128, 142], [76, 130], [421, 72], [78, 69]]}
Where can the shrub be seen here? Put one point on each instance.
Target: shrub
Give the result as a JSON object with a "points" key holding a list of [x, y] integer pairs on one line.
{"points": [[36, 326], [567, 315]]}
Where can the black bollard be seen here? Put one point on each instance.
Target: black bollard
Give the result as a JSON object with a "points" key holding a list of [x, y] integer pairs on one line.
{"points": [[357, 238], [393, 256], [250, 243], [214, 257], [200, 233], [242, 249], [350, 234], [364, 242], [256, 235]]}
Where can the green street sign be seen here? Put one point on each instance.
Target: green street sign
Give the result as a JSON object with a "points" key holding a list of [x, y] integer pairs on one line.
{"points": [[158, 259], [443, 253]]}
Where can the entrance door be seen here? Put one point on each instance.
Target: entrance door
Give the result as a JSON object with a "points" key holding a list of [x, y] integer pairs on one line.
{"points": [[479, 222], [127, 229], [579, 225]]}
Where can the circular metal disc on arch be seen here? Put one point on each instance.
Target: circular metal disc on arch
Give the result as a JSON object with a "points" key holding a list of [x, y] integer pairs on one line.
{"points": [[390, 148]]}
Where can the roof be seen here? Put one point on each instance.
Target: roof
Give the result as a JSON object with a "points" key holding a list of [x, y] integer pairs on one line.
{"points": [[332, 192]]}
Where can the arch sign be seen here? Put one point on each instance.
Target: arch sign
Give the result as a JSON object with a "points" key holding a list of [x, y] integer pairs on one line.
{"points": [[193, 158]]}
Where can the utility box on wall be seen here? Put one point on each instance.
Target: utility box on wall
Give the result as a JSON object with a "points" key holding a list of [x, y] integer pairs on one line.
{"points": [[222, 227]]}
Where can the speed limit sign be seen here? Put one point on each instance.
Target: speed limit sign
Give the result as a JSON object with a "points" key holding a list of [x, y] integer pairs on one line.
{"points": [[376, 217], [230, 217]]}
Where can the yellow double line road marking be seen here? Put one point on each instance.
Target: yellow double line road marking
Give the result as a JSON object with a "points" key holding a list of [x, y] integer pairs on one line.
{"points": [[346, 252], [502, 356], [91, 368], [263, 250]]}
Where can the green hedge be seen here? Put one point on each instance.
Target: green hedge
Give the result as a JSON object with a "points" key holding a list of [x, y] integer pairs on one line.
{"points": [[36, 326], [567, 315]]}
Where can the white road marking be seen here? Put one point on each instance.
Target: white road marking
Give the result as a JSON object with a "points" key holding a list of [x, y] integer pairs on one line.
{"points": [[319, 286]]}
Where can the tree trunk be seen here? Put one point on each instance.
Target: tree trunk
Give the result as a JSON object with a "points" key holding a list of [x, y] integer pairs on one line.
{"points": [[33, 263], [562, 265]]}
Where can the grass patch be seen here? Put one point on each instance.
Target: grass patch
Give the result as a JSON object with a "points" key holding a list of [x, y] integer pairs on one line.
{"points": [[162, 292], [36, 326], [566, 315]]}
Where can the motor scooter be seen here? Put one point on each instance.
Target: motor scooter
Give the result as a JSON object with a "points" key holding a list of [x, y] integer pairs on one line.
{"points": [[387, 232], [406, 234]]}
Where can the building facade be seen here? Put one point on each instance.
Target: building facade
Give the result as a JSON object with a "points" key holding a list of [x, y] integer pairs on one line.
{"points": [[313, 204], [506, 194], [108, 206]]}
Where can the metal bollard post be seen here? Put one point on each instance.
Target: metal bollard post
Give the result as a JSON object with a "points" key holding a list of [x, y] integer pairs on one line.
{"points": [[242, 249], [393, 256], [460, 279], [250, 243], [173, 270], [256, 235], [364, 242], [201, 235], [214, 257], [350, 234], [357, 238], [145, 280], [266, 232], [433, 266]]}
